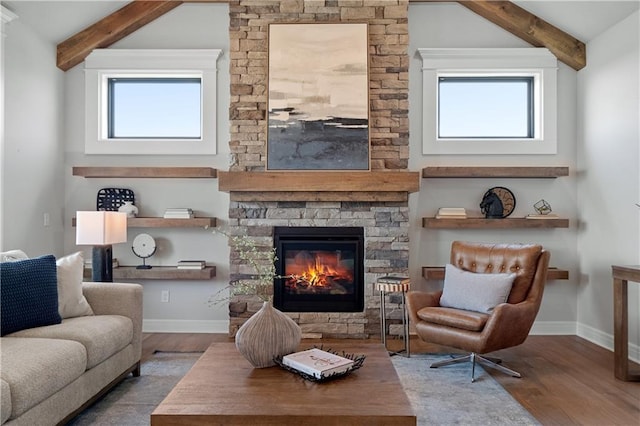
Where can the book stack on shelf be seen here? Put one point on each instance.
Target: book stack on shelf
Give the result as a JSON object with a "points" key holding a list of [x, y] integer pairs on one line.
{"points": [[191, 264], [451, 213], [317, 363], [178, 213], [393, 283], [542, 216]]}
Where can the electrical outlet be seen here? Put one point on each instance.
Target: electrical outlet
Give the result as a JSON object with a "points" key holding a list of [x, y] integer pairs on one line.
{"points": [[164, 296], [46, 219]]}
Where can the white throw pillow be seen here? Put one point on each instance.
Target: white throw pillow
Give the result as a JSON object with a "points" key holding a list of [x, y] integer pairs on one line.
{"points": [[13, 256], [475, 292], [71, 301]]}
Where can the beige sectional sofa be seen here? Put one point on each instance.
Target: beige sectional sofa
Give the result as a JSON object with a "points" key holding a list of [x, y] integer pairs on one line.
{"points": [[50, 373]]}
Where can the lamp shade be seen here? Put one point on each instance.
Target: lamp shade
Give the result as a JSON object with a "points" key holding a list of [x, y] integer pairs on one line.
{"points": [[101, 228]]}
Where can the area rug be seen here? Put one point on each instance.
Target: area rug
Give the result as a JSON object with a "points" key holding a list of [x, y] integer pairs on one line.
{"points": [[131, 402], [443, 396], [446, 396]]}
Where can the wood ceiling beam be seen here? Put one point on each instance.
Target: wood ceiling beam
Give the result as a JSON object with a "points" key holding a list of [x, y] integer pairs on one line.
{"points": [[110, 29], [531, 29], [527, 26]]}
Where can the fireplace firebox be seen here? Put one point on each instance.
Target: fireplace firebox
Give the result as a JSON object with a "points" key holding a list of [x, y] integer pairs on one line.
{"points": [[321, 269]]}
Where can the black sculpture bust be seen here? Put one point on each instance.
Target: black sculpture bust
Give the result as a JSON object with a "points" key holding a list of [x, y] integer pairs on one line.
{"points": [[491, 206]]}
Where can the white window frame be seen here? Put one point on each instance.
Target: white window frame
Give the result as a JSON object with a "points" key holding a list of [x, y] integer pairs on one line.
{"points": [[537, 62], [103, 64]]}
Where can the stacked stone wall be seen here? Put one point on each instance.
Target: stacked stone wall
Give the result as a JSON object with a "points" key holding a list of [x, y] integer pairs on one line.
{"points": [[385, 224], [388, 72]]}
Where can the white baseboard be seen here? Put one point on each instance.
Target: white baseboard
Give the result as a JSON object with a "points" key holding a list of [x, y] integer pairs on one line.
{"points": [[596, 336], [605, 340], [584, 331], [184, 326]]}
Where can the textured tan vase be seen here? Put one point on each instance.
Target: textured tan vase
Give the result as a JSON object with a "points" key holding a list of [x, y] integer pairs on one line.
{"points": [[267, 334]]}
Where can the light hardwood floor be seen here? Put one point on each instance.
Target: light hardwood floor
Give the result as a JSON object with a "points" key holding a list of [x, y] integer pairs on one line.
{"points": [[565, 380]]}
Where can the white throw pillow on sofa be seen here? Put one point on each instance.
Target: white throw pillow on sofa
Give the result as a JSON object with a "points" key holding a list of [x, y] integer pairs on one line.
{"points": [[71, 301], [13, 256], [475, 292]]}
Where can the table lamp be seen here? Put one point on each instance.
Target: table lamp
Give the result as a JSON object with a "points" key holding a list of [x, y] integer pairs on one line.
{"points": [[101, 229]]}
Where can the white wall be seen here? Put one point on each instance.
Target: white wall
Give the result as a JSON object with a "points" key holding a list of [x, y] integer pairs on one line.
{"points": [[430, 25], [609, 178], [32, 160], [196, 26]]}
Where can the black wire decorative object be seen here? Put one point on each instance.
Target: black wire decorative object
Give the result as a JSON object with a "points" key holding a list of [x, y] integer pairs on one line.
{"points": [[358, 360], [110, 199]]}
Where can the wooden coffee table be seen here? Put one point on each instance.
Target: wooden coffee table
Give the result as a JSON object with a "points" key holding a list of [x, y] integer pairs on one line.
{"points": [[223, 388]]}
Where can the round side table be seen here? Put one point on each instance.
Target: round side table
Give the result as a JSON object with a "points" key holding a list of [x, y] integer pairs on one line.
{"points": [[388, 287]]}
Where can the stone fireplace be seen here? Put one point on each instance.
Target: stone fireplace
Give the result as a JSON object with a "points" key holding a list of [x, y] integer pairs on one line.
{"points": [[375, 201], [385, 228]]}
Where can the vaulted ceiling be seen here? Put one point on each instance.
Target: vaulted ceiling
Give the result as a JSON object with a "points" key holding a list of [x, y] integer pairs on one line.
{"points": [[55, 20], [506, 14], [532, 29]]}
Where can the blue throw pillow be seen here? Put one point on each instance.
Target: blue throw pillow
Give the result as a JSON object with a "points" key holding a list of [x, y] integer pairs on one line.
{"points": [[29, 290]]}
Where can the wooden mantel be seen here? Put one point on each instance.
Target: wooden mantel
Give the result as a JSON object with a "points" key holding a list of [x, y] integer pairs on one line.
{"points": [[319, 186]]}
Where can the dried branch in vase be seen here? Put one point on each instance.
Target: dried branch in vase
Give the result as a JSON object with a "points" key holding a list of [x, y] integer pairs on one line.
{"points": [[259, 260]]}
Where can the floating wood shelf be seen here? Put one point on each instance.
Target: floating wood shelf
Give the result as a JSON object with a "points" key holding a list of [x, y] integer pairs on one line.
{"points": [[145, 172], [480, 223], [159, 222], [494, 172], [437, 273], [319, 186], [159, 273]]}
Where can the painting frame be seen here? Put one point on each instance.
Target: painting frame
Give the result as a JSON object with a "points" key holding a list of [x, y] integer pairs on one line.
{"points": [[318, 115]]}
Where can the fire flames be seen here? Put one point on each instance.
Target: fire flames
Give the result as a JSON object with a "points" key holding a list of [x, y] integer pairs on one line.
{"points": [[314, 272]]}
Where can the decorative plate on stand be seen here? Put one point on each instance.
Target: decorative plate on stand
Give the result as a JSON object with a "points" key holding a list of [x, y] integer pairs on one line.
{"points": [[144, 246]]}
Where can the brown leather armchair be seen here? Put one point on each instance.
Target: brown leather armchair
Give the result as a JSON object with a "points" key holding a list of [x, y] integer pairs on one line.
{"points": [[507, 325]]}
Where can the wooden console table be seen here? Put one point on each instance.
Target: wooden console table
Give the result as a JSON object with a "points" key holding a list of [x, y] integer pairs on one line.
{"points": [[621, 276]]}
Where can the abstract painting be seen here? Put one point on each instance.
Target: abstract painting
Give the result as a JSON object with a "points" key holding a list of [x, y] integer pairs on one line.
{"points": [[318, 97]]}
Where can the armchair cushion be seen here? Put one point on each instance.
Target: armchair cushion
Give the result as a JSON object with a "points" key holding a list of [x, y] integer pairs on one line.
{"points": [[457, 318], [474, 292]]}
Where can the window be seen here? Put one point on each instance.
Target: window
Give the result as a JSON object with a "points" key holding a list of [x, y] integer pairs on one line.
{"points": [[489, 101], [151, 101], [485, 107], [154, 107]]}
